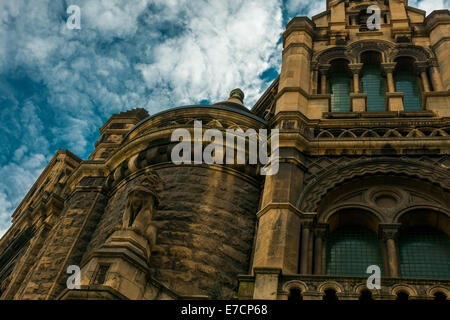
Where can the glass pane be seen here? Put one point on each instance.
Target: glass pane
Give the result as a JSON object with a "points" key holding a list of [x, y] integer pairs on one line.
{"points": [[406, 82], [373, 85], [424, 253], [340, 92], [351, 250]]}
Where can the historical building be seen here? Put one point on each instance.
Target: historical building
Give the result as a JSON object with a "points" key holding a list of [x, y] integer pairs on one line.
{"points": [[364, 179]]}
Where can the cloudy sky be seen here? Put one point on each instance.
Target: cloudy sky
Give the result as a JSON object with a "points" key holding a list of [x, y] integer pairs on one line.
{"points": [[58, 86]]}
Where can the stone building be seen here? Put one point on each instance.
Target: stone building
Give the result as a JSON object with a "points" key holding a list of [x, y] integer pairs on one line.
{"points": [[364, 179]]}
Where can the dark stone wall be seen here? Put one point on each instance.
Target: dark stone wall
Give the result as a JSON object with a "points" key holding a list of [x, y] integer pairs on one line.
{"points": [[206, 221], [66, 243]]}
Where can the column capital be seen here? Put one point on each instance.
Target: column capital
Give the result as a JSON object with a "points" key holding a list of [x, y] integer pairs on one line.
{"points": [[388, 67], [389, 231], [321, 230], [324, 69], [355, 67], [434, 63], [421, 66]]}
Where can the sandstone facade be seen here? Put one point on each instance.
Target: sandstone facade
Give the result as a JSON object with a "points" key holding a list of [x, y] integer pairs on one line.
{"points": [[226, 231]]}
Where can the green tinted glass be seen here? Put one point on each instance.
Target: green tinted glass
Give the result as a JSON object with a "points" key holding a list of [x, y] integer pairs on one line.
{"points": [[373, 85], [340, 92], [406, 82], [351, 250], [424, 253]]}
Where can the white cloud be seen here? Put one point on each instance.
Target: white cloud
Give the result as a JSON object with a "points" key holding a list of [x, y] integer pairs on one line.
{"points": [[429, 6], [225, 45]]}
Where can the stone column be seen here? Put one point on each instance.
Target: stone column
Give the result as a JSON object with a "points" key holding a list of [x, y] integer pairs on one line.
{"points": [[394, 100], [389, 69], [421, 68], [355, 68], [436, 79], [320, 232], [438, 27], [389, 233], [304, 251], [324, 69], [314, 78]]}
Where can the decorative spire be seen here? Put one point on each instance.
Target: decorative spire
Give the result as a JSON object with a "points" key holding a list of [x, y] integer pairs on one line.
{"points": [[237, 94]]}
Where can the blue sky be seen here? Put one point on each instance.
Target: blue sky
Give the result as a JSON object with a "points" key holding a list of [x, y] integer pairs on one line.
{"points": [[58, 86]]}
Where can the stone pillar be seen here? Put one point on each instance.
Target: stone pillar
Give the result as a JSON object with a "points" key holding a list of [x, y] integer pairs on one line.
{"points": [[438, 26], [266, 283], [394, 100], [304, 251], [421, 68], [389, 68], [315, 78], [389, 233], [320, 233], [295, 75], [324, 69], [436, 79], [356, 68], [358, 100], [279, 221]]}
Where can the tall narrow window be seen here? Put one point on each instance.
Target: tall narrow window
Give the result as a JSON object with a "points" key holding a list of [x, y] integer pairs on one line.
{"points": [[372, 82], [340, 86], [406, 82]]}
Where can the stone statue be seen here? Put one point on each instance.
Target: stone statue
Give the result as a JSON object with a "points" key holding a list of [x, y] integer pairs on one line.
{"points": [[142, 201]]}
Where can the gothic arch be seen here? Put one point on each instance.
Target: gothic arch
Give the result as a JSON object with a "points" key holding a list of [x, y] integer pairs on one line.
{"points": [[312, 194]]}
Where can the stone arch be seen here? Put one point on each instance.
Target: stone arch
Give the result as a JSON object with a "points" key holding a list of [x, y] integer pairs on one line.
{"points": [[433, 216], [330, 285], [416, 52], [295, 284], [374, 218], [405, 288], [329, 178], [384, 47], [438, 288], [327, 56], [361, 287]]}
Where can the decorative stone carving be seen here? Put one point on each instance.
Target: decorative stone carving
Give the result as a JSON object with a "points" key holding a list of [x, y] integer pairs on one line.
{"points": [[317, 188], [142, 201]]}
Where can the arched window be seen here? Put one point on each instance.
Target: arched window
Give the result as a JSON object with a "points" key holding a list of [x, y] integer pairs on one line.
{"points": [[351, 249], [339, 86], [406, 82], [372, 81], [424, 253]]}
